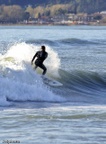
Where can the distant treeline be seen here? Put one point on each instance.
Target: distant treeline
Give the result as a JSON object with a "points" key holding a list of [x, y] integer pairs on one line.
{"points": [[86, 6], [14, 11]]}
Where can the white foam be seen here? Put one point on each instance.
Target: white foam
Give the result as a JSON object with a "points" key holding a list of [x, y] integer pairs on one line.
{"points": [[19, 81], [52, 62], [23, 52]]}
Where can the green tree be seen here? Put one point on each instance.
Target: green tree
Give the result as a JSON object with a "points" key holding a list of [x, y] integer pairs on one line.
{"points": [[12, 13], [38, 10], [39, 15], [30, 10], [26, 15], [98, 17], [47, 13]]}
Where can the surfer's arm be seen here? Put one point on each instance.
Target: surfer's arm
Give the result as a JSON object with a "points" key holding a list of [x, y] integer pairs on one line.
{"points": [[34, 57]]}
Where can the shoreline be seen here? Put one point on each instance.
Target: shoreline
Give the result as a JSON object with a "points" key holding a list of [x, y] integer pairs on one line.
{"points": [[20, 24]]}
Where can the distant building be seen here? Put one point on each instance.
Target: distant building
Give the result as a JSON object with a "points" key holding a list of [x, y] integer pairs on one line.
{"points": [[103, 12]]}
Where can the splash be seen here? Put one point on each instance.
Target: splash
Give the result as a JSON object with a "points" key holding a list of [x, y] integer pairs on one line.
{"points": [[23, 52], [19, 82]]}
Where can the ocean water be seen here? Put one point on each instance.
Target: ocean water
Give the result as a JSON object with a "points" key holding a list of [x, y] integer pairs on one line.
{"points": [[35, 113]]}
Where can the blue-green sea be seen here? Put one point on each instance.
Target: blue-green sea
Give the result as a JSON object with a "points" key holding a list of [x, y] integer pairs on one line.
{"points": [[32, 112]]}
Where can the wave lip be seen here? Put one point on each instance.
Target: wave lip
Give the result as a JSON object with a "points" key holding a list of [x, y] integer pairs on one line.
{"points": [[67, 41], [42, 41], [84, 78], [76, 41], [84, 86]]}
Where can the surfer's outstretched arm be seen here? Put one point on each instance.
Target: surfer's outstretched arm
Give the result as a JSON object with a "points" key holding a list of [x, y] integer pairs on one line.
{"points": [[33, 58]]}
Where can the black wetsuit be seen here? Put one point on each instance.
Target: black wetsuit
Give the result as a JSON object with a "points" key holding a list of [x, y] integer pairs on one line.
{"points": [[41, 56]]}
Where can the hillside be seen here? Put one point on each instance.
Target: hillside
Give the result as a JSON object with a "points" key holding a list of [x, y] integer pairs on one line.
{"points": [[89, 6]]}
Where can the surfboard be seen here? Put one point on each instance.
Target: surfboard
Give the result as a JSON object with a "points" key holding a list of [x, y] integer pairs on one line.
{"points": [[51, 82]]}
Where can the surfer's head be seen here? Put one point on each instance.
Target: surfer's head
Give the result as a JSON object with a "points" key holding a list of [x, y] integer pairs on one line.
{"points": [[43, 48]]}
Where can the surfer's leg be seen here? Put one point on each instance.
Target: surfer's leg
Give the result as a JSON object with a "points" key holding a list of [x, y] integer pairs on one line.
{"points": [[44, 69]]}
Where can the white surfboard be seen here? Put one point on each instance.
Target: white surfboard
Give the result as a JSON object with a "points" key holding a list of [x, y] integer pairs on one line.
{"points": [[51, 82]]}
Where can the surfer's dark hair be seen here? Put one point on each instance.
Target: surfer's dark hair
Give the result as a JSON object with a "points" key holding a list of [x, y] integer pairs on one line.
{"points": [[43, 47]]}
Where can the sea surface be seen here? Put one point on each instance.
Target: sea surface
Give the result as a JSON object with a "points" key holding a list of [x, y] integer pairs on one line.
{"points": [[32, 112]]}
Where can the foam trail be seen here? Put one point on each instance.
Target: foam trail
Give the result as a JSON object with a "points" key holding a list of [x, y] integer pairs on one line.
{"points": [[16, 91]]}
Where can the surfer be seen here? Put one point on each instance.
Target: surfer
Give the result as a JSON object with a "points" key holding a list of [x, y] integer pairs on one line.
{"points": [[41, 56]]}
